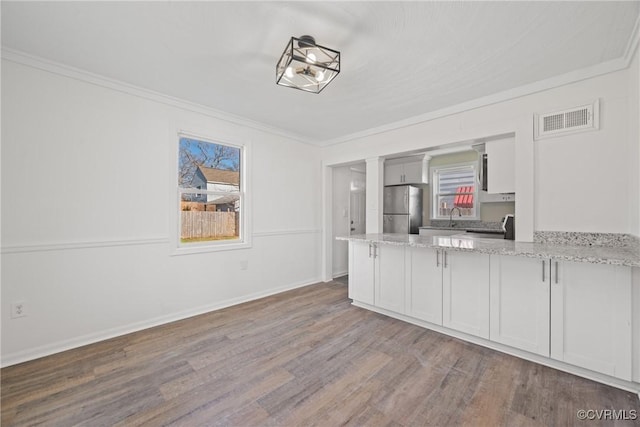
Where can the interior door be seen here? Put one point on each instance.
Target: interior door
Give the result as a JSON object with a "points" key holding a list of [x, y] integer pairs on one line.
{"points": [[357, 203]]}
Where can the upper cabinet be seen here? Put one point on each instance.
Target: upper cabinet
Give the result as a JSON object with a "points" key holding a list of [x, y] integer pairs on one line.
{"points": [[501, 171], [408, 170]]}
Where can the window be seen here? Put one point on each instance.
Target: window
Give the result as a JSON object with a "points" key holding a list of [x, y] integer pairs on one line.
{"points": [[455, 187], [211, 194]]}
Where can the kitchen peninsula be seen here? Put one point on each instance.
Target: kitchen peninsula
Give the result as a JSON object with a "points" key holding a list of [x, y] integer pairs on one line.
{"points": [[568, 300]]}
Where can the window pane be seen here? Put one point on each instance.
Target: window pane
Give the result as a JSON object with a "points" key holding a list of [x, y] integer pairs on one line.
{"points": [[217, 217], [447, 203], [208, 166], [450, 180], [456, 190]]}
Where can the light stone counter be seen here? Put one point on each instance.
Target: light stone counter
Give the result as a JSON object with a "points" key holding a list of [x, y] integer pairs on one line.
{"points": [[614, 255]]}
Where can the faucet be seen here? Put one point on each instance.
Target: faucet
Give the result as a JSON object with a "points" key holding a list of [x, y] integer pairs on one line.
{"points": [[451, 215]]}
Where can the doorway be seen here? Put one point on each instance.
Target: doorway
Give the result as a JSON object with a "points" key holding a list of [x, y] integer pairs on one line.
{"points": [[349, 211]]}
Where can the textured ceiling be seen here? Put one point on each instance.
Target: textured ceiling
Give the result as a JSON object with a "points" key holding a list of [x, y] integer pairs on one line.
{"points": [[399, 59]]}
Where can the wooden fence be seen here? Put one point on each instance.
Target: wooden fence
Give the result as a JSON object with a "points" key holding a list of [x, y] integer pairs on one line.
{"points": [[212, 225]]}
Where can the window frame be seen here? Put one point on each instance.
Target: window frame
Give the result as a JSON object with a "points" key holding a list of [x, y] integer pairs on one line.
{"points": [[435, 180], [244, 240]]}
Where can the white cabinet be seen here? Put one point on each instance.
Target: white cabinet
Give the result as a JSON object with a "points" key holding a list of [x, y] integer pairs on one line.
{"points": [[361, 271], [377, 275], [519, 304], [501, 172], [390, 277], [407, 172], [424, 296], [413, 173], [576, 313], [591, 317], [393, 174], [465, 298]]}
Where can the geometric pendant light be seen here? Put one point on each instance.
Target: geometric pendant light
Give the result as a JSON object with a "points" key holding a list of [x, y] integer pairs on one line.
{"points": [[306, 65]]}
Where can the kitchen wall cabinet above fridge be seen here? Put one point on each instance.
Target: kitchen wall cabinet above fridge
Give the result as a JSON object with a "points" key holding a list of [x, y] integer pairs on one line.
{"points": [[406, 170]]}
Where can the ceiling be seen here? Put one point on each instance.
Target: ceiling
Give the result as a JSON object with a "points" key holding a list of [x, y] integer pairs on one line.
{"points": [[399, 59]]}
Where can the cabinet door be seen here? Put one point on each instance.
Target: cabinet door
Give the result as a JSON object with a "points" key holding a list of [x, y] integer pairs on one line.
{"points": [[501, 169], [393, 174], [413, 173], [591, 317], [466, 292], [520, 303], [361, 270], [390, 275], [425, 285]]}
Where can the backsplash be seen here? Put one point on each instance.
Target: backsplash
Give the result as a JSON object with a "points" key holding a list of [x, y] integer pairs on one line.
{"points": [[585, 239]]}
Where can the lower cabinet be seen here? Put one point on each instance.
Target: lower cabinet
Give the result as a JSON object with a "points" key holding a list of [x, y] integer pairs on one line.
{"points": [[377, 275], [520, 303], [577, 313], [389, 278], [361, 271], [465, 292], [424, 296], [591, 308]]}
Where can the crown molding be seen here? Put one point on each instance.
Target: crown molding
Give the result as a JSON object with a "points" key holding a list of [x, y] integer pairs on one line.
{"points": [[571, 77], [540, 86], [43, 64]]}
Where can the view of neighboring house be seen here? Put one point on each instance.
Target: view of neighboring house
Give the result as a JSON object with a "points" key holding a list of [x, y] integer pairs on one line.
{"points": [[219, 180]]}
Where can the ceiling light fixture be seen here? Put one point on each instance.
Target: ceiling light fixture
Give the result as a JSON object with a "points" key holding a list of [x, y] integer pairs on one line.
{"points": [[309, 67]]}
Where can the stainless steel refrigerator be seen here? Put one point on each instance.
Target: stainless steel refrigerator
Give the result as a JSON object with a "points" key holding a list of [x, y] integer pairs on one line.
{"points": [[402, 209]]}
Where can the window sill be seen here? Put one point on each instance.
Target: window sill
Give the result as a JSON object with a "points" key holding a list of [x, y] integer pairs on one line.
{"points": [[209, 247]]}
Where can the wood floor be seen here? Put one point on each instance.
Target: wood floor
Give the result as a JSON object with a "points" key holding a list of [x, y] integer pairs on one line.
{"points": [[304, 357]]}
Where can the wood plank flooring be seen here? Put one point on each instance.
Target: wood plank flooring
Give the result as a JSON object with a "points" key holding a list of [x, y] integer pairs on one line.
{"points": [[300, 358]]}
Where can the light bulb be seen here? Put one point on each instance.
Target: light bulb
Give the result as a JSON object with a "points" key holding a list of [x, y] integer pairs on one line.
{"points": [[311, 57], [320, 76], [289, 72]]}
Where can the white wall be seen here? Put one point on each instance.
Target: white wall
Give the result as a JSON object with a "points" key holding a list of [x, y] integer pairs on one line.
{"points": [[577, 183], [634, 145], [86, 238]]}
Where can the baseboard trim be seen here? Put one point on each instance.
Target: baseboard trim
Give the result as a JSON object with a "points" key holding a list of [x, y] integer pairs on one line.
{"points": [[60, 346], [536, 358]]}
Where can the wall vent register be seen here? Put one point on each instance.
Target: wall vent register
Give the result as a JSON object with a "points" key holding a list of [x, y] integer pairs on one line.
{"points": [[578, 119]]}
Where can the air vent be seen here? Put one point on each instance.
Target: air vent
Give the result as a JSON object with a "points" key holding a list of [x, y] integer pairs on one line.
{"points": [[564, 122]]}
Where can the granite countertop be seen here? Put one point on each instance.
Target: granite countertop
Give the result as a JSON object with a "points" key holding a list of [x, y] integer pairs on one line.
{"points": [[609, 254]]}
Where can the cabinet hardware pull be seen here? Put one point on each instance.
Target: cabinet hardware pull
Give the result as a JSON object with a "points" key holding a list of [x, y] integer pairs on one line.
{"points": [[437, 258], [444, 254], [375, 251], [544, 267], [369, 250], [556, 272]]}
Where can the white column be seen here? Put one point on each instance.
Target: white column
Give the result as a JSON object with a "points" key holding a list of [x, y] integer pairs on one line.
{"points": [[375, 189], [524, 161]]}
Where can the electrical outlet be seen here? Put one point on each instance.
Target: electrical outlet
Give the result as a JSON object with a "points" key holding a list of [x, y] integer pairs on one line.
{"points": [[18, 309]]}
